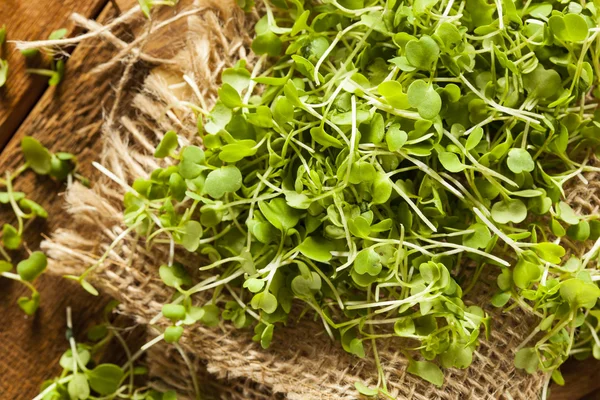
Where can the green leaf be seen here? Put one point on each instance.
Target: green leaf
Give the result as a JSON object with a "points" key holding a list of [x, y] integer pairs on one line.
{"points": [[283, 110], [229, 96], [58, 73], [175, 275], [254, 285], [210, 316], [426, 370], [357, 348], [581, 231], [10, 237], [264, 301], [425, 99], [145, 6], [304, 286], [174, 312], [382, 189], [320, 136], [500, 299], [261, 118], [238, 77], [167, 145], [395, 138], [512, 210], [192, 233], [29, 305], [78, 387], [365, 390], [578, 293], [266, 336], [36, 155], [405, 326], [33, 266], [526, 272], [519, 160], [105, 378], [392, 92], [279, 214], [374, 20], [33, 208], [527, 359], [317, 248], [58, 34], [474, 138], [89, 288], [557, 376], [224, 180], [267, 43], [368, 262], [5, 266], [480, 237], [362, 171], [235, 152], [177, 186], [542, 83], [422, 53], [450, 161], [458, 355], [550, 252], [66, 360], [566, 213], [219, 117], [570, 27], [376, 130], [192, 159], [297, 200], [449, 36], [173, 334], [3, 72], [29, 53], [5, 199]]}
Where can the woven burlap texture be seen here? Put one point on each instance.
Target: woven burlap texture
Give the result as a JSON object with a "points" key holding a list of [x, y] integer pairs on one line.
{"points": [[302, 362]]}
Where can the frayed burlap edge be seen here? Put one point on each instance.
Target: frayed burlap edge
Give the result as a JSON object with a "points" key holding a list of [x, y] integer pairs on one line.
{"points": [[302, 363]]}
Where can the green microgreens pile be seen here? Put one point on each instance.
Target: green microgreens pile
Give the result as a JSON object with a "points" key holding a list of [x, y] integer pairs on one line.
{"points": [[60, 166], [55, 60], [84, 378], [375, 160]]}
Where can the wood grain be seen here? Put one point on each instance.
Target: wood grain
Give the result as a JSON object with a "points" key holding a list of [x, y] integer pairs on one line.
{"points": [[582, 381], [68, 118], [31, 20]]}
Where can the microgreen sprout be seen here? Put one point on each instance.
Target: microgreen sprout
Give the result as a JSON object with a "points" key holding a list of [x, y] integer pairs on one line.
{"points": [[84, 377], [387, 154], [146, 5], [57, 64], [3, 63], [59, 166]]}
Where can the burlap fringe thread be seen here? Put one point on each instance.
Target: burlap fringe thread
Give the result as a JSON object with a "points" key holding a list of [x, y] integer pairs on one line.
{"points": [[302, 363]]}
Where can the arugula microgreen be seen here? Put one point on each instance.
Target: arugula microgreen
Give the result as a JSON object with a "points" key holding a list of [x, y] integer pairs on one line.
{"points": [[384, 149]]}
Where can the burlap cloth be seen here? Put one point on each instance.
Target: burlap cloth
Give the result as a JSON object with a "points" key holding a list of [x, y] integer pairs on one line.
{"points": [[302, 362]]}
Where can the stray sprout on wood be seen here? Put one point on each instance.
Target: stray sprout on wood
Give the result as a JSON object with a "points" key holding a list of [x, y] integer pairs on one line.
{"points": [[59, 166], [84, 377]]}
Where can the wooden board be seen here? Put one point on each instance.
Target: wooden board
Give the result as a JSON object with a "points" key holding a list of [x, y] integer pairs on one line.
{"points": [[69, 118], [31, 20]]}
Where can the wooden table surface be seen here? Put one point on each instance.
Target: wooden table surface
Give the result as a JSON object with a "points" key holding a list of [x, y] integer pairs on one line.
{"points": [[68, 118]]}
